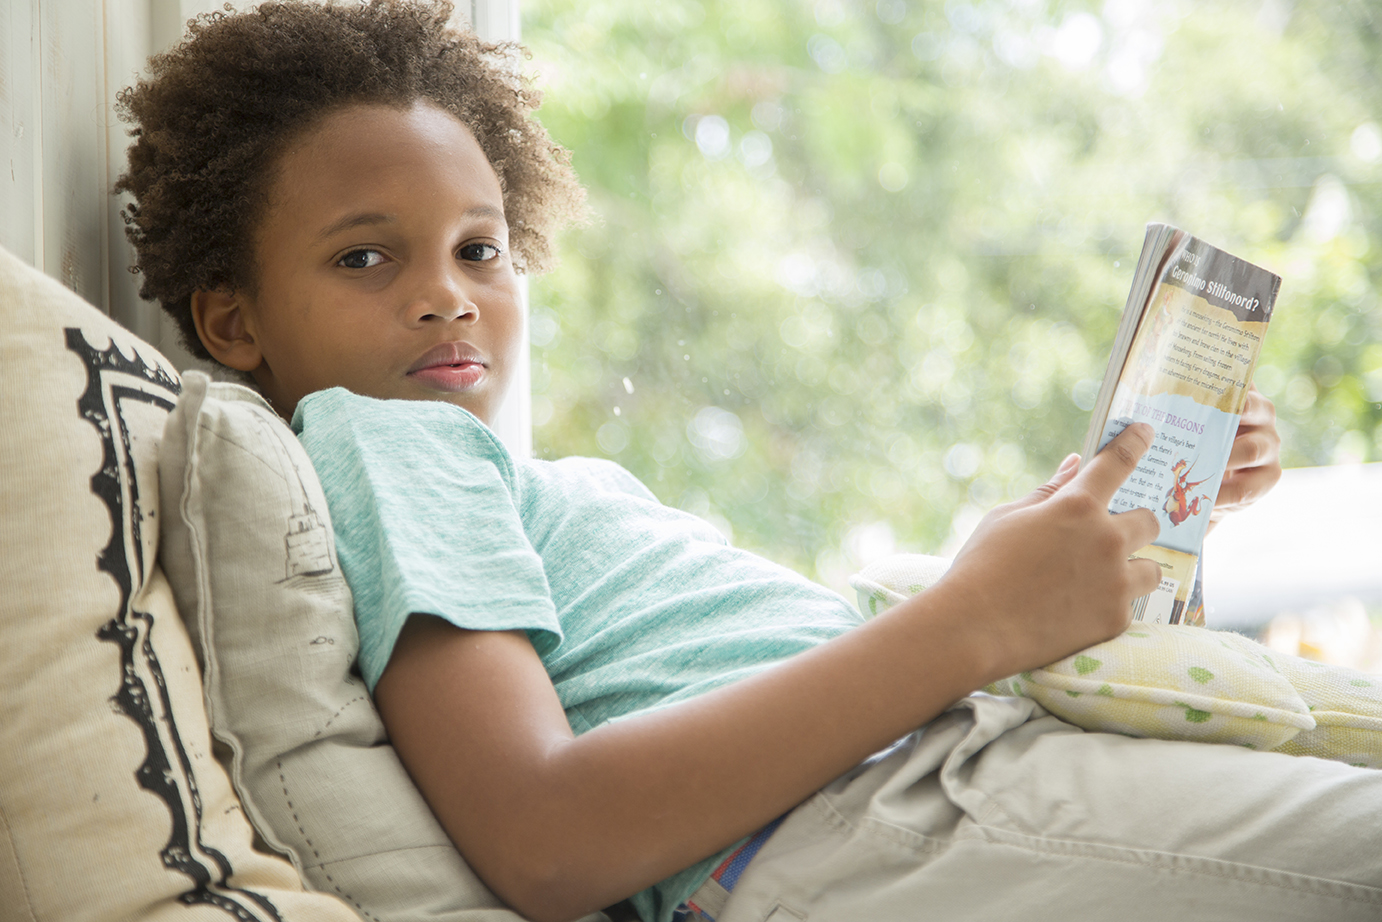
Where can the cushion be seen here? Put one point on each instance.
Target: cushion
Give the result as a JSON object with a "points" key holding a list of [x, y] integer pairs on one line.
{"points": [[248, 547], [1155, 680], [894, 579], [1171, 682], [1347, 707], [111, 806]]}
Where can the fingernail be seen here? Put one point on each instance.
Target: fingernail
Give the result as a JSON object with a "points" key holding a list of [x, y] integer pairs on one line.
{"points": [[1070, 461]]}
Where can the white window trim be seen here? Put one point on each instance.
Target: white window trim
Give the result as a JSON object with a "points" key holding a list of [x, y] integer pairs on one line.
{"points": [[498, 21]]}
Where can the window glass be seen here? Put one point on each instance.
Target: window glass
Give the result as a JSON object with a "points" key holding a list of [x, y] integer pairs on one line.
{"points": [[853, 268]]}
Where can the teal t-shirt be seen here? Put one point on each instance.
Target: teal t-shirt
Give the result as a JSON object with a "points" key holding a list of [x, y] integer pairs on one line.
{"points": [[630, 604]]}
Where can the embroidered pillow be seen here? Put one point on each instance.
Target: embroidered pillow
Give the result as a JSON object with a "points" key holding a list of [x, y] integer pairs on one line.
{"points": [[111, 806]]}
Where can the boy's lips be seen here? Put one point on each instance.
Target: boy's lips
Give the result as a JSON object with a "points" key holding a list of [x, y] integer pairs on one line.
{"points": [[449, 367]]}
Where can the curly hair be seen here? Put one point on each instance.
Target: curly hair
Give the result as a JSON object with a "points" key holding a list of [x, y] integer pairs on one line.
{"points": [[218, 110]]}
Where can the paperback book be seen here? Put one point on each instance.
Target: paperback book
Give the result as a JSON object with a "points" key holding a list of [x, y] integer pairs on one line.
{"points": [[1182, 362]]}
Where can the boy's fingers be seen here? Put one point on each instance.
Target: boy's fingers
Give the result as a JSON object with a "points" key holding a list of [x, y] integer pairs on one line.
{"points": [[1063, 475], [1255, 449], [1244, 486], [1116, 461], [1139, 526], [1068, 469], [1251, 448], [1146, 576], [1257, 410]]}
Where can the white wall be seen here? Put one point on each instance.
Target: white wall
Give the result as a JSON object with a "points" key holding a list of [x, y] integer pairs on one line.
{"points": [[62, 62], [61, 147]]}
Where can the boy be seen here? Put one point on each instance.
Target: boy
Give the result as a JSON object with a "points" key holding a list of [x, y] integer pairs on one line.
{"points": [[596, 695]]}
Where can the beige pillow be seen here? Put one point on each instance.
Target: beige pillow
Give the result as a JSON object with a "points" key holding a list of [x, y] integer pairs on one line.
{"points": [[249, 551], [111, 807]]}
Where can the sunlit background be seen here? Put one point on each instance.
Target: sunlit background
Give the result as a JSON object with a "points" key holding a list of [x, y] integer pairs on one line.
{"points": [[854, 267]]}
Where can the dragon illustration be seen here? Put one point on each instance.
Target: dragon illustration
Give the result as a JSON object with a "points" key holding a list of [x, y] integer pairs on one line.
{"points": [[1179, 505]]}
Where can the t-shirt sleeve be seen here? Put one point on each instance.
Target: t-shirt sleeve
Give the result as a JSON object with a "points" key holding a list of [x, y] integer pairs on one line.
{"points": [[422, 503]]}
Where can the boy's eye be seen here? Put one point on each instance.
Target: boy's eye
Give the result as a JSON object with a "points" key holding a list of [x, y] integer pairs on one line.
{"points": [[360, 259], [478, 252]]}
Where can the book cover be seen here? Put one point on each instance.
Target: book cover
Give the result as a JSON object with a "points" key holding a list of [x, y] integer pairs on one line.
{"points": [[1182, 362]]}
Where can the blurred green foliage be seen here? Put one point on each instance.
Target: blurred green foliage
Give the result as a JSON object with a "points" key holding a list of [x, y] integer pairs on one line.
{"points": [[854, 267]]}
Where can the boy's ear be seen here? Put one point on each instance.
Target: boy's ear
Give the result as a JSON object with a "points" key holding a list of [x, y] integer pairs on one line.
{"points": [[220, 319]]}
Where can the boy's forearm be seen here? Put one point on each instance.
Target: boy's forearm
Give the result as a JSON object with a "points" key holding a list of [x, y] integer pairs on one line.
{"points": [[561, 825]]}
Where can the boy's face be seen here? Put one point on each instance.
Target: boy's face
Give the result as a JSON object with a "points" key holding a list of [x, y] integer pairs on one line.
{"points": [[383, 266]]}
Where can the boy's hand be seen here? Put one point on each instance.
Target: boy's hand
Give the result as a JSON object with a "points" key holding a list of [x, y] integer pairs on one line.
{"points": [[1049, 574], [1254, 464]]}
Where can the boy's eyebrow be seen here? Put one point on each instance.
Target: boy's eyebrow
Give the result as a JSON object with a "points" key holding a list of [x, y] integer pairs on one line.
{"points": [[359, 219], [484, 211]]}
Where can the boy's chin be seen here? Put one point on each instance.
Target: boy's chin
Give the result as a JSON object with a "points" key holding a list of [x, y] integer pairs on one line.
{"points": [[476, 405], [473, 407]]}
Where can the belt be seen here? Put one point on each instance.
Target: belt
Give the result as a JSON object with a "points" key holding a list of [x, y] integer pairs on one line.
{"points": [[710, 898]]}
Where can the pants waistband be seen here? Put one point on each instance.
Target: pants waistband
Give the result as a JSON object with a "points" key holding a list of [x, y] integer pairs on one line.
{"points": [[709, 899]]}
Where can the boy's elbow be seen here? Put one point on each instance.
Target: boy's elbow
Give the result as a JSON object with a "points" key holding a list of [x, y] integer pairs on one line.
{"points": [[547, 890], [546, 910], [551, 901]]}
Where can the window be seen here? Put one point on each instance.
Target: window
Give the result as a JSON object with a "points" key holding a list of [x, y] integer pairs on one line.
{"points": [[855, 266]]}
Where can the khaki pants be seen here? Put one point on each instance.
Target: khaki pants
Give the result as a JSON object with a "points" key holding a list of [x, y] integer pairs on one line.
{"points": [[999, 811]]}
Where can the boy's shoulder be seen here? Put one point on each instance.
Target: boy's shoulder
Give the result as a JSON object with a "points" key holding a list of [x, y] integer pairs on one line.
{"points": [[577, 472]]}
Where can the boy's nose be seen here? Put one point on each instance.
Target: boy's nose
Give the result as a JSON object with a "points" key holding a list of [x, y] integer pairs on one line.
{"points": [[444, 294]]}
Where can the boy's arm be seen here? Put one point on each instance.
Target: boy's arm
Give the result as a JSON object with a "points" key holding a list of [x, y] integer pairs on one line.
{"points": [[559, 825]]}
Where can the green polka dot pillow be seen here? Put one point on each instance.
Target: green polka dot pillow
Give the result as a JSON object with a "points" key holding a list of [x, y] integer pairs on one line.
{"points": [[895, 578], [1347, 707], [1180, 682], [1171, 682]]}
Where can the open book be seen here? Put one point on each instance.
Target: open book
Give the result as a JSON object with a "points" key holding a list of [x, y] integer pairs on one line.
{"points": [[1182, 361]]}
